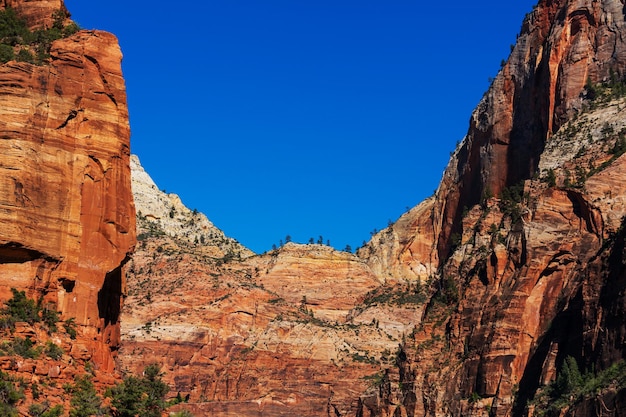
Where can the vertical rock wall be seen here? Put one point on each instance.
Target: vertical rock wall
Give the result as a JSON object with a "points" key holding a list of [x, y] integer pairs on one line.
{"points": [[66, 208]]}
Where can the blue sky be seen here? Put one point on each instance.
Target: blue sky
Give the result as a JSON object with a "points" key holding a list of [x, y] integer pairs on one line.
{"points": [[302, 118]]}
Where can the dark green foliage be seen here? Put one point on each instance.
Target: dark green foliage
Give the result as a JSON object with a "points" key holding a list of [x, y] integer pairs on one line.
{"points": [[143, 396], [551, 178], [70, 327], [126, 397], [24, 347], [25, 55], [620, 145], [85, 400], [448, 291], [44, 410], [50, 318], [511, 199], [53, 351], [10, 394], [6, 53], [13, 29], [21, 308], [569, 378], [396, 295], [32, 47], [572, 386]]}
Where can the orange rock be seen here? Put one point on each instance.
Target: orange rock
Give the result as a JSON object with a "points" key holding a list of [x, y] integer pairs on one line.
{"points": [[65, 194]]}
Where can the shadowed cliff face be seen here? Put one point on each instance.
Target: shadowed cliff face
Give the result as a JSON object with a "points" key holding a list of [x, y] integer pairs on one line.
{"points": [[523, 238], [65, 199], [562, 45]]}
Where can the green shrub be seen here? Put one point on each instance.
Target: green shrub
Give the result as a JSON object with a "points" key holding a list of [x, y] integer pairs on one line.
{"points": [[25, 55], [24, 347], [15, 32], [6, 53], [143, 396], [50, 318], [70, 327], [44, 410], [21, 308], [10, 394], [53, 351], [85, 400]]}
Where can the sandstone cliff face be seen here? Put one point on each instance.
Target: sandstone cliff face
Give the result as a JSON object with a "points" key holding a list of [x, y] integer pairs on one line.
{"points": [[37, 13], [273, 334], [523, 234], [65, 198]]}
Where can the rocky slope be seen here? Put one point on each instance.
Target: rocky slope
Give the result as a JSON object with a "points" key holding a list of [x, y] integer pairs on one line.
{"points": [[276, 333], [475, 302], [65, 198], [159, 212]]}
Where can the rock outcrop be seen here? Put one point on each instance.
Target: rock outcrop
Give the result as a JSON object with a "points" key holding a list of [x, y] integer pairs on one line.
{"points": [[38, 14], [523, 234], [278, 333], [65, 198], [471, 304], [159, 212]]}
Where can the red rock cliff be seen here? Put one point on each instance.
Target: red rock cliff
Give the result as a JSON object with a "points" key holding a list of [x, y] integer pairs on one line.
{"points": [[522, 282], [65, 197]]}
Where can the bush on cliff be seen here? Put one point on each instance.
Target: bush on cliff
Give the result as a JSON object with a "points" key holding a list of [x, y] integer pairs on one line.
{"points": [[23, 309], [144, 396], [31, 47]]}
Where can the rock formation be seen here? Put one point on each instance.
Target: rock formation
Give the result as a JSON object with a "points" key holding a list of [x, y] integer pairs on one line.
{"points": [[275, 333], [522, 231], [473, 303], [65, 198], [166, 213], [501, 295]]}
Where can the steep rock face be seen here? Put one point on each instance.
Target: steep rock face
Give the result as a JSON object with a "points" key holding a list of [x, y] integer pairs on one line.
{"points": [[65, 196], [300, 330], [562, 44], [522, 278]]}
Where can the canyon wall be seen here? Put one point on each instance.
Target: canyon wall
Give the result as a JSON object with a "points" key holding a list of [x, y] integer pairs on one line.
{"points": [[470, 304], [65, 198], [523, 237]]}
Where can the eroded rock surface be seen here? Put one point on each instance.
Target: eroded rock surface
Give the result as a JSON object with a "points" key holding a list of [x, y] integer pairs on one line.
{"points": [[65, 198]]}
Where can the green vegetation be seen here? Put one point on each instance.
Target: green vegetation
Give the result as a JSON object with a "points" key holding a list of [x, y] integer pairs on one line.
{"points": [[70, 327], [85, 400], [571, 386], [19, 43], [447, 292], [511, 200], [396, 295], [143, 396], [600, 93], [53, 351], [23, 309], [10, 395], [44, 410], [23, 347]]}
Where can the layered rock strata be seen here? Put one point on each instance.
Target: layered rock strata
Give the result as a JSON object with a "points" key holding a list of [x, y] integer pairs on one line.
{"points": [[523, 234], [65, 197]]}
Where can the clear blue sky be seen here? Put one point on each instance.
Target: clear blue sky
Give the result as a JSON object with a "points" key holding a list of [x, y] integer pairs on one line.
{"points": [[305, 118]]}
